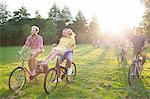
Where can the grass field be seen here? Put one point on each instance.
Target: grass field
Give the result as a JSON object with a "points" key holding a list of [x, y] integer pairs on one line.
{"points": [[98, 77]]}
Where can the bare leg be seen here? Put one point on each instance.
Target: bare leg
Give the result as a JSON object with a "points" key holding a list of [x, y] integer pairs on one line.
{"points": [[69, 59], [69, 62], [33, 62], [51, 56], [32, 65]]}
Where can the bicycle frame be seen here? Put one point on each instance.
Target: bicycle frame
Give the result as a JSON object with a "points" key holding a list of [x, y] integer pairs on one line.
{"points": [[22, 63], [58, 66], [137, 62]]}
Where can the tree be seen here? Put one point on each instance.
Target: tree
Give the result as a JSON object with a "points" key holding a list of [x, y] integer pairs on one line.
{"points": [[79, 23], [65, 19], [50, 32], [95, 28], [37, 14], [26, 30], [61, 18], [54, 13], [147, 16], [4, 14], [20, 14], [7, 33], [66, 16], [79, 26]]}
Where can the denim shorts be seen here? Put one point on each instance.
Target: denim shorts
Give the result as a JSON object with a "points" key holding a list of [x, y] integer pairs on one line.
{"points": [[67, 55]]}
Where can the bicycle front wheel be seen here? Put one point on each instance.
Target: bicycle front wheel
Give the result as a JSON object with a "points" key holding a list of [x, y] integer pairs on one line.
{"points": [[51, 80], [132, 76], [17, 79]]}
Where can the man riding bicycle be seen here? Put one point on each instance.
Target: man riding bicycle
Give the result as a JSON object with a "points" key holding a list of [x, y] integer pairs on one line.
{"points": [[140, 43], [35, 42]]}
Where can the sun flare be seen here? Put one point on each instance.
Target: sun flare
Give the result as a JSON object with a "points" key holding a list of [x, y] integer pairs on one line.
{"points": [[117, 13]]}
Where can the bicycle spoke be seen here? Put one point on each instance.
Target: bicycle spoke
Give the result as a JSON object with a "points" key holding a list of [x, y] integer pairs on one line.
{"points": [[17, 79], [50, 81]]}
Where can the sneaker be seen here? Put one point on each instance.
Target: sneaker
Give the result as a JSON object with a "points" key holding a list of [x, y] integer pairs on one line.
{"points": [[59, 80], [69, 71], [132, 74]]}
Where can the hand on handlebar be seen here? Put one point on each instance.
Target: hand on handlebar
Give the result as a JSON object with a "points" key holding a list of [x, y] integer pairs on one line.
{"points": [[20, 52]]}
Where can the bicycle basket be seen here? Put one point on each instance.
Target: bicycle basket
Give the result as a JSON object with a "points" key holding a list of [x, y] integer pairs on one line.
{"points": [[41, 68]]}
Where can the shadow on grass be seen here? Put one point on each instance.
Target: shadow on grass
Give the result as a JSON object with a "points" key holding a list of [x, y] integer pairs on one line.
{"points": [[86, 51], [138, 91], [102, 56], [8, 94]]}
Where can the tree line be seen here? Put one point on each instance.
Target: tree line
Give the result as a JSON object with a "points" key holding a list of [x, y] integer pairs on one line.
{"points": [[16, 26]]}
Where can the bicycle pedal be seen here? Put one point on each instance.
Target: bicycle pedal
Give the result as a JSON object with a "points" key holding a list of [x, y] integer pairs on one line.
{"points": [[62, 76], [142, 76]]}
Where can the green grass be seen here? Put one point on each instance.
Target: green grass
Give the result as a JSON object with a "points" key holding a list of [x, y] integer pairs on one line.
{"points": [[98, 77]]}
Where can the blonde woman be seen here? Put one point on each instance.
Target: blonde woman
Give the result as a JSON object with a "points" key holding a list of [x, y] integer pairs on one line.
{"points": [[69, 54], [65, 46]]}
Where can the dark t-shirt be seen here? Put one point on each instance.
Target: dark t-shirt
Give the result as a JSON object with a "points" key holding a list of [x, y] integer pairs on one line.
{"points": [[138, 41]]}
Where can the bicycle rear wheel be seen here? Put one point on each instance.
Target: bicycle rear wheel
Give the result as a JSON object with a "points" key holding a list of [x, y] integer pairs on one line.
{"points": [[17, 79], [51, 80], [71, 77], [132, 75]]}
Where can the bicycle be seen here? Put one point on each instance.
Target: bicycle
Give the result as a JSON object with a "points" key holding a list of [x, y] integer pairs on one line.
{"points": [[135, 69], [17, 78], [52, 75]]}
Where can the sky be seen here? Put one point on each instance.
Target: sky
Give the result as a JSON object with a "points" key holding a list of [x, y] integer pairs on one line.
{"points": [[110, 13]]}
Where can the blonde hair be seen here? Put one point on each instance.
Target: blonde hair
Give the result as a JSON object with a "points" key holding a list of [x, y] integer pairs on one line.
{"points": [[71, 33], [37, 28]]}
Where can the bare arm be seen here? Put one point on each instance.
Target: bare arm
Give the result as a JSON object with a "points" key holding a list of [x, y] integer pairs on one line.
{"points": [[26, 45], [145, 44], [73, 46]]}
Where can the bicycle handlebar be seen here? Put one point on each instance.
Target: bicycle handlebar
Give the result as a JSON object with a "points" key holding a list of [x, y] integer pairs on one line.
{"points": [[21, 56]]}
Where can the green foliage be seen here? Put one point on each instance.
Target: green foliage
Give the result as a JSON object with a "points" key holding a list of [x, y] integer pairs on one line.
{"points": [[54, 13], [60, 17], [4, 14], [37, 14], [15, 30], [26, 30], [66, 15], [95, 30], [50, 32], [147, 17], [79, 23], [21, 13]]}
